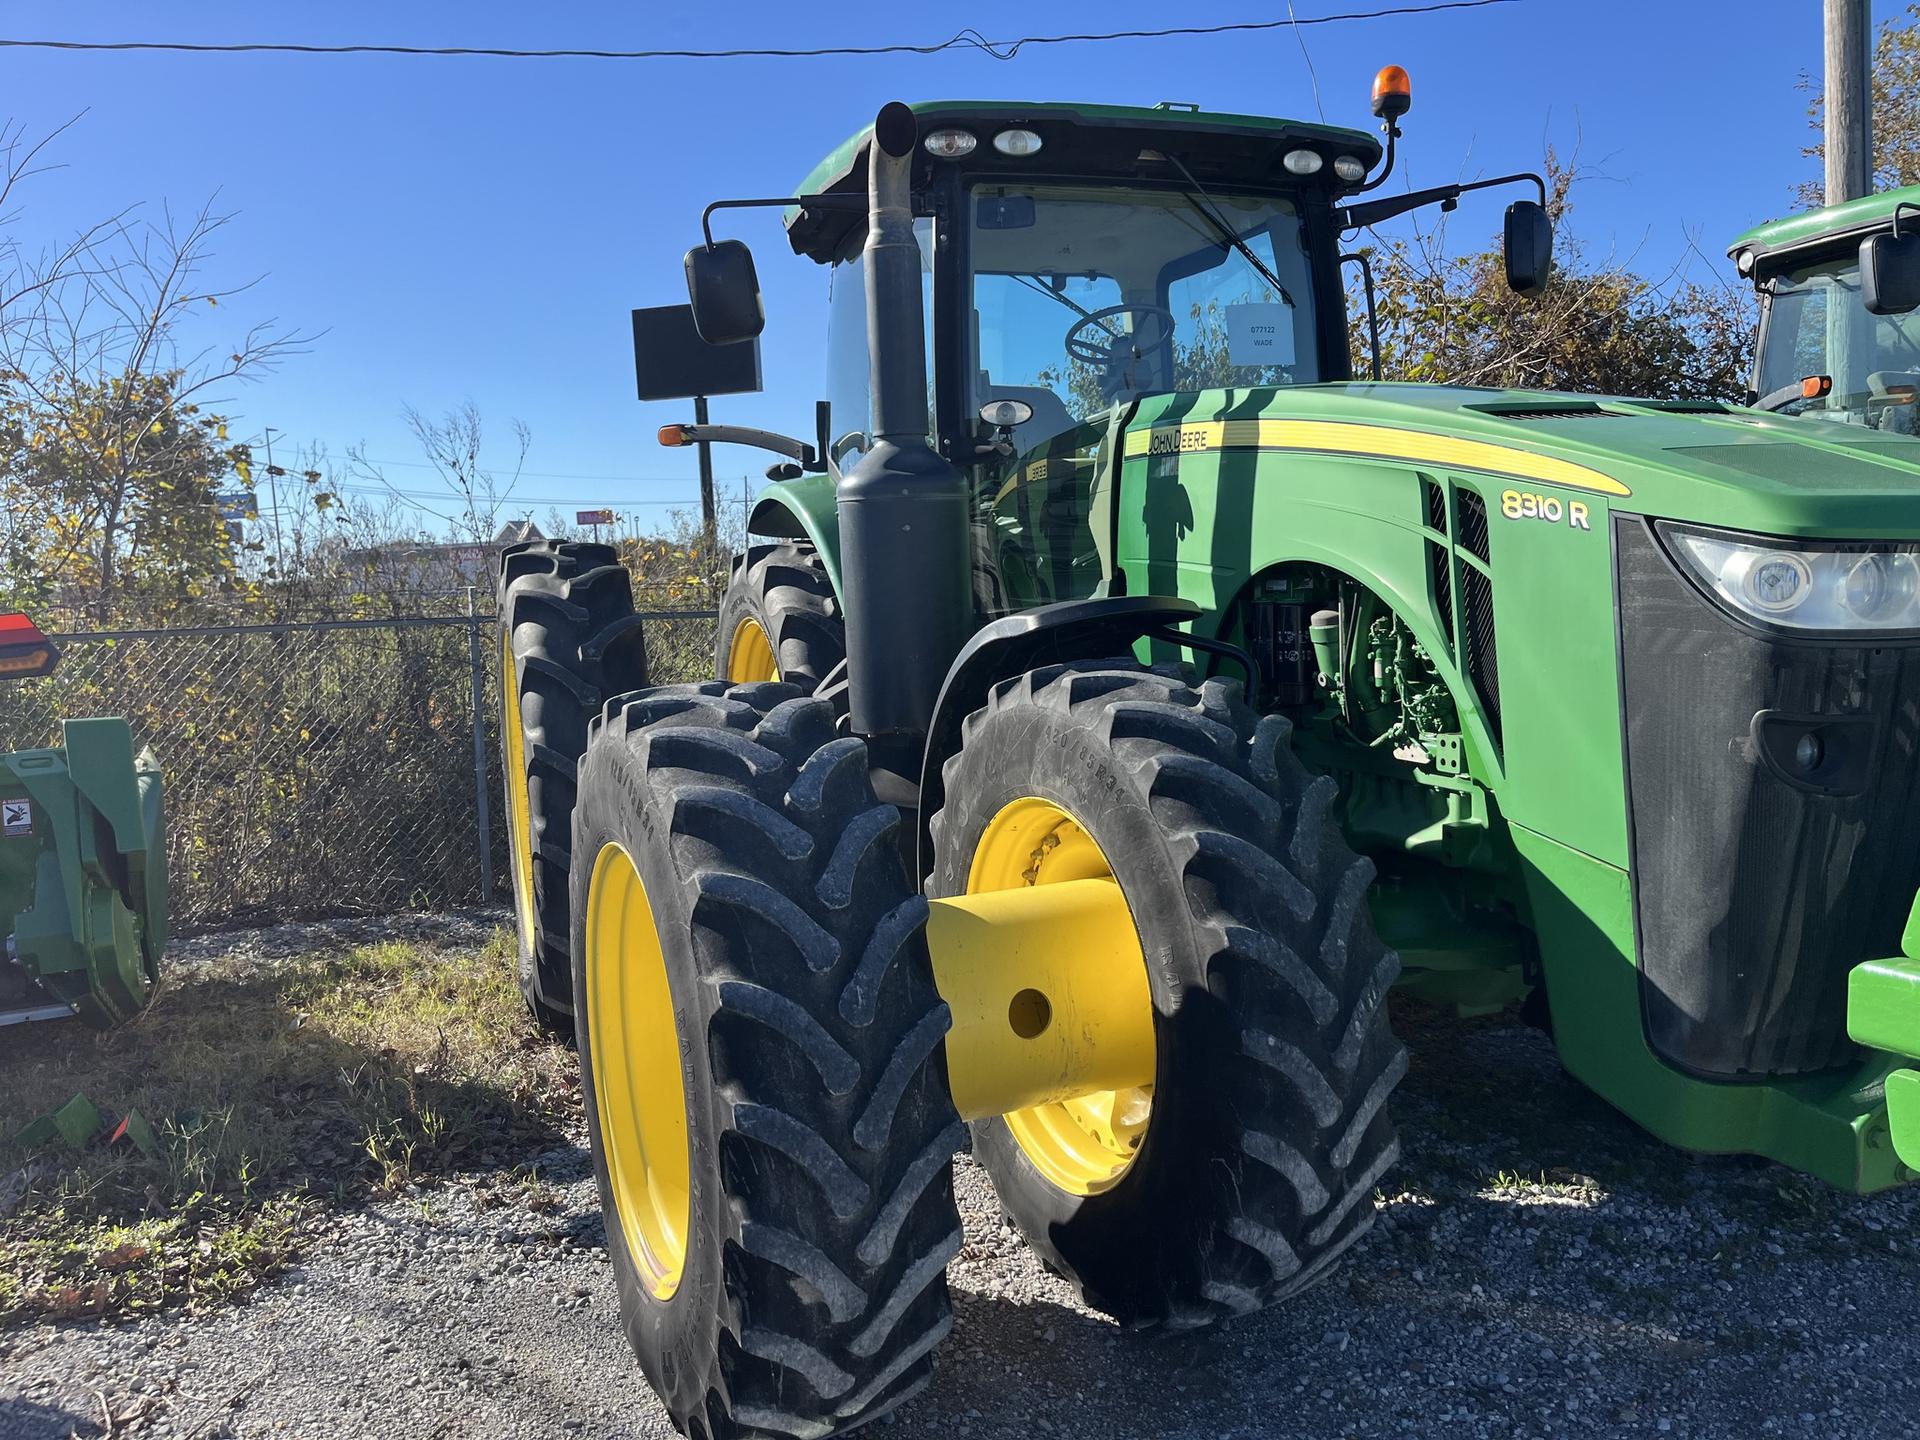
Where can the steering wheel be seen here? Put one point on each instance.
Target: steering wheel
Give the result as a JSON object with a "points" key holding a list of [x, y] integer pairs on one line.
{"points": [[1090, 351]]}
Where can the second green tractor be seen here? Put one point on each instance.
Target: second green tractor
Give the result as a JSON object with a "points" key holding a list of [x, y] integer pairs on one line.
{"points": [[1123, 699]]}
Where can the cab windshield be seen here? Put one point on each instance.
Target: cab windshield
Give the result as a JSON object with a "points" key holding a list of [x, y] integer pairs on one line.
{"points": [[1816, 325], [1087, 296]]}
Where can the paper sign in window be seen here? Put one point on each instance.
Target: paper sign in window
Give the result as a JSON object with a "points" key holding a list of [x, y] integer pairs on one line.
{"points": [[1260, 334]]}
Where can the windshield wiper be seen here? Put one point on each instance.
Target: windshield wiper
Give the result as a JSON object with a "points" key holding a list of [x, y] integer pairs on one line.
{"points": [[1202, 204], [1037, 283]]}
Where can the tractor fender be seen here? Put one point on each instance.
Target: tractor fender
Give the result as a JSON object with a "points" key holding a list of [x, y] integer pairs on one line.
{"points": [[803, 509], [1069, 630]]}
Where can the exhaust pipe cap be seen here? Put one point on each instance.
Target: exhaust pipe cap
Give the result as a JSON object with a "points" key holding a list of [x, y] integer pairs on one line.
{"points": [[895, 129]]}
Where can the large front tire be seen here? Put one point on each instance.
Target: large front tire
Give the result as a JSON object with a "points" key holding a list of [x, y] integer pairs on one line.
{"points": [[779, 1196], [1249, 1167], [568, 639]]}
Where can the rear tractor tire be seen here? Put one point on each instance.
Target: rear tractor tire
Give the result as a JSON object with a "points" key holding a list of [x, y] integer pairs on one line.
{"points": [[1247, 1167], [779, 620], [761, 1054], [568, 639]]}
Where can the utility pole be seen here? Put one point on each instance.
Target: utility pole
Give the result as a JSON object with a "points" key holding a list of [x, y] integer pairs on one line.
{"points": [[1849, 99], [707, 516], [273, 504]]}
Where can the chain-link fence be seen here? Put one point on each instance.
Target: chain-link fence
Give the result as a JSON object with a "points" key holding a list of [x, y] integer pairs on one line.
{"points": [[316, 768]]}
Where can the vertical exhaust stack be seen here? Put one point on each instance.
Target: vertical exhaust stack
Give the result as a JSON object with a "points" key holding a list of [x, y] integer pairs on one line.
{"points": [[903, 509]]}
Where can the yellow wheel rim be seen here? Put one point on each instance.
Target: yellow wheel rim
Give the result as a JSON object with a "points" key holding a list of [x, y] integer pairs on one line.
{"points": [[637, 1087], [750, 654], [519, 801], [1083, 1145]]}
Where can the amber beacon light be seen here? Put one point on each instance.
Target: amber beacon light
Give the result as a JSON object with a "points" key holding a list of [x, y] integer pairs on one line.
{"points": [[1392, 93]]}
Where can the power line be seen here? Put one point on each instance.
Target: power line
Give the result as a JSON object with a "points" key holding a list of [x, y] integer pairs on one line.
{"points": [[968, 39], [1312, 75], [555, 474]]}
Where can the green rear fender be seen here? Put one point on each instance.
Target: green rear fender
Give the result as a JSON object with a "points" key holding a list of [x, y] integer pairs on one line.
{"points": [[803, 509]]}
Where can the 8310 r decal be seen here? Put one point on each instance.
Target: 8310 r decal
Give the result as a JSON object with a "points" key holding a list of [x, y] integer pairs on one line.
{"points": [[1525, 505]]}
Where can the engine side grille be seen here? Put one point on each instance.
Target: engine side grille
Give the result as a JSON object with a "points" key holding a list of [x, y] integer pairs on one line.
{"points": [[1441, 574], [1436, 506], [1483, 661], [1473, 522]]}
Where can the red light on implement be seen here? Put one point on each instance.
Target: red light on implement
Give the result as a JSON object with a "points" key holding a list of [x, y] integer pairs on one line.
{"points": [[24, 651], [1392, 93], [1816, 387], [674, 436]]}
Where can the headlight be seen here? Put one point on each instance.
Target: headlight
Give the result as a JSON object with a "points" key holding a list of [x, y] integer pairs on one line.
{"points": [[949, 144], [1303, 162], [1349, 167], [1806, 585]]}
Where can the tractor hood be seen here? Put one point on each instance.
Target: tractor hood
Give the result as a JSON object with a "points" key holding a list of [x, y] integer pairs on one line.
{"points": [[1686, 460]]}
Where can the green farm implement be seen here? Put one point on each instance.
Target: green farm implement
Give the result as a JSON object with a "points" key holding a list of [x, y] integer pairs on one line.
{"points": [[1120, 699], [83, 878]]}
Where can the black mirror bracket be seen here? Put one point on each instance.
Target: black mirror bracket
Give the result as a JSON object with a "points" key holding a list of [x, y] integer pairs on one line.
{"points": [[805, 202], [796, 450], [1358, 217]]}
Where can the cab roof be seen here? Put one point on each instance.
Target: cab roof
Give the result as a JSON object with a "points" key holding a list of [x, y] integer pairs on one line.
{"points": [[1118, 141], [1810, 229]]}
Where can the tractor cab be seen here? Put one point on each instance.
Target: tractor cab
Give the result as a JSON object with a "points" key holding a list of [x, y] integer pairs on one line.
{"points": [[1839, 294], [1078, 260]]}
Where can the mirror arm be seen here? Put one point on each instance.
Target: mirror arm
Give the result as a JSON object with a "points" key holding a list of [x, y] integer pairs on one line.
{"points": [[745, 435], [1903, 207], [805, 202], [1358, 217]]}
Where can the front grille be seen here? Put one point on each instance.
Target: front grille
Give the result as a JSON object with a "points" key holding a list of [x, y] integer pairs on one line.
{"points": [[1754, 895]]}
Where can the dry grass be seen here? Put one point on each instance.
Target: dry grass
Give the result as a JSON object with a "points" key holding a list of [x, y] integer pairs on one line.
{"points": [[276, 1093]]}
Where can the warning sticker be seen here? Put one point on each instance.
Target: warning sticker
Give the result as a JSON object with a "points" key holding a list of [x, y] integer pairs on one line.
{"points": [[16, 817]]}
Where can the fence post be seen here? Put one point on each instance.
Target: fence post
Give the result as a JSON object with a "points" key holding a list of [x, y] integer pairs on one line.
{"points": [[482, 818]]}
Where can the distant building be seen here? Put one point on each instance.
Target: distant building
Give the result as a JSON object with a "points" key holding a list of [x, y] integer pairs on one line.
{"points": [[441, 567], [514, 532]]}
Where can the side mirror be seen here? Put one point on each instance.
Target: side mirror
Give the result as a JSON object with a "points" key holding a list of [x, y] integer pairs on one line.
{"points": [[1890, 273], [1528, 247], [724, 292]]}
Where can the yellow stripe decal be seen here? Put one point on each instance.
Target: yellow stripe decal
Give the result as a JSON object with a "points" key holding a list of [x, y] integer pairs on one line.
{"points": [[1373, 441], [1032, 475]]}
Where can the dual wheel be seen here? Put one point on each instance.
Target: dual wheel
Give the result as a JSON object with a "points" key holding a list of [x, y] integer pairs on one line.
{"points": [[1143, 970]]}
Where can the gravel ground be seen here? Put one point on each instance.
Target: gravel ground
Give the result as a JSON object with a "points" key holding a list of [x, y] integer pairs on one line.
{"points": [[1541, 1268]]}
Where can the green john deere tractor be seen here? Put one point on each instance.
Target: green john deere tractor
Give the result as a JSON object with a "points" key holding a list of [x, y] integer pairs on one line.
{"points": [[1125, 698], [83, 874], [1828, 348]]}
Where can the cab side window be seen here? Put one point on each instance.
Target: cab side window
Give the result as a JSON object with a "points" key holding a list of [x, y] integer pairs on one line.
{"points": [[849, 379]]}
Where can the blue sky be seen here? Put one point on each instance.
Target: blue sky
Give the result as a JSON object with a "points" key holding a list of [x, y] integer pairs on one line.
{"points": [[480, 228]]}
